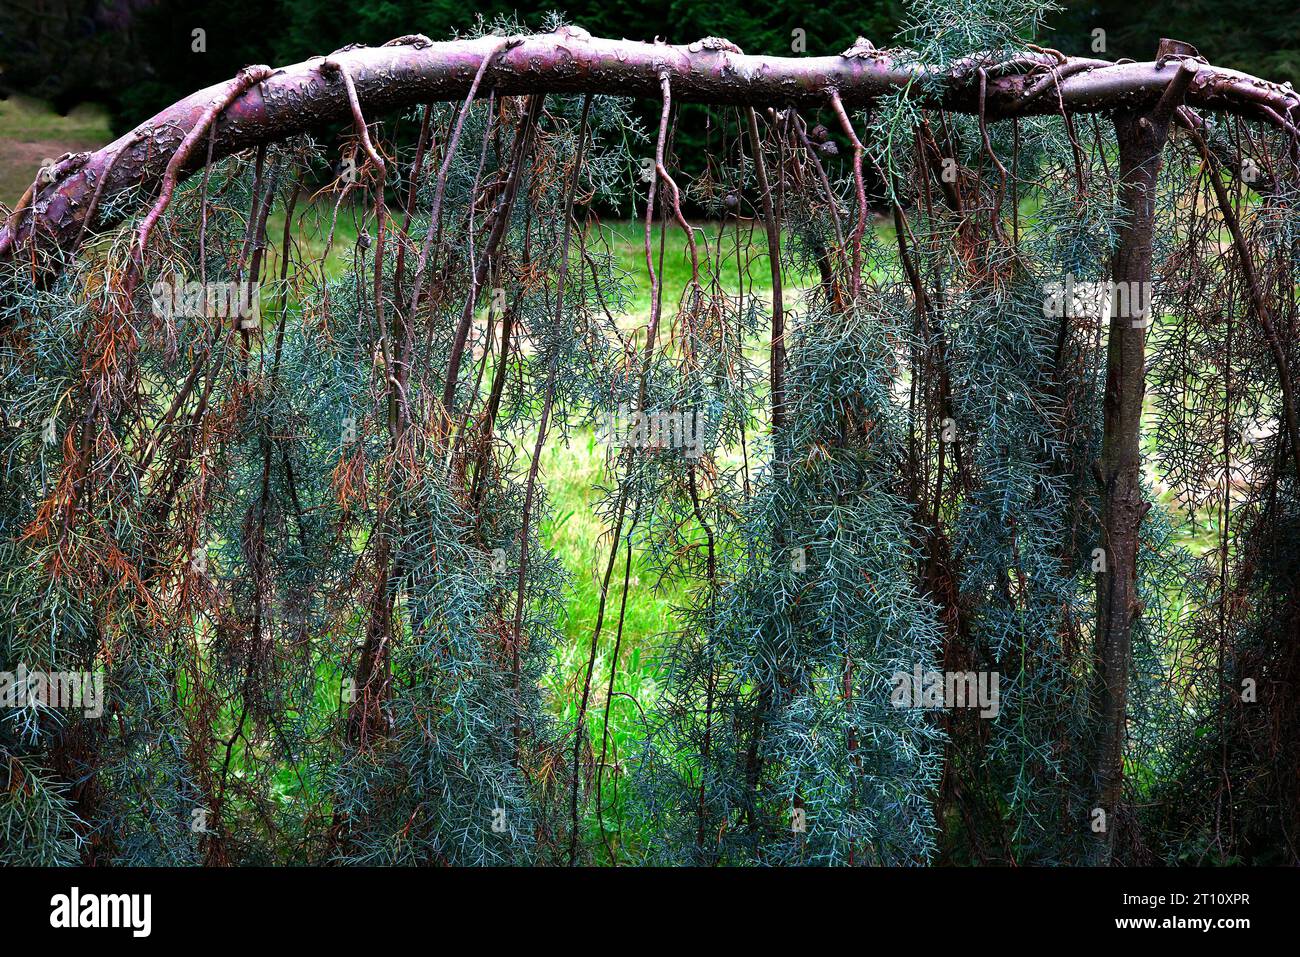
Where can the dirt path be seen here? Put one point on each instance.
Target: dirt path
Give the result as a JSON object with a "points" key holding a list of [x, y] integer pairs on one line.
{"points": [[31, 132]]}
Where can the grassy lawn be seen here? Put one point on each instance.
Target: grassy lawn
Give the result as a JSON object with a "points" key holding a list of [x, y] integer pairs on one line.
{"points": [[31, 132], [575, 533]]}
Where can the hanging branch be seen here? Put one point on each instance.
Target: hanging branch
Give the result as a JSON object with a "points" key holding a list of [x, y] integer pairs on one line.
{"points": [[295, 98], [676, 197], [498, 223], [860, 226], [1257, 296], [525, 528], [832, 208], [417, 171], [434, 232], [656, 305], [777, 356], [358, 120], [988, 148], [230, 93], [656, 286]]}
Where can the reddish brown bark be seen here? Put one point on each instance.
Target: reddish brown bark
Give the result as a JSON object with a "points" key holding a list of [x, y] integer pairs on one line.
{"points": [[1141, 137], [413, 71]]}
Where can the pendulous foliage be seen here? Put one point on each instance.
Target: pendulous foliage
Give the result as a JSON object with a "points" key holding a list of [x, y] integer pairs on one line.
{"points": [[303, 543]]}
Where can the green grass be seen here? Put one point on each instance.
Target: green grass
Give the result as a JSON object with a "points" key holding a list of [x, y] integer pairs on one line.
{"points": [[575, 534], [572, 472], [31, 132], [311, 234], [626, 241], [22, 117]]}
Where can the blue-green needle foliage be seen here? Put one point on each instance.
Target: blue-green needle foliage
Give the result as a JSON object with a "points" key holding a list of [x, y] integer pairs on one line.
{"points": [[303, 549]]}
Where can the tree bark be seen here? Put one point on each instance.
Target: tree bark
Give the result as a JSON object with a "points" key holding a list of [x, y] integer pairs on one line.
{"points": [[413, 70], [1141, 136]]}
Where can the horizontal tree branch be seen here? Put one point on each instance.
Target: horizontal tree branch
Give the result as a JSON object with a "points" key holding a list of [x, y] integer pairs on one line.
{"points": [[413, 70]]}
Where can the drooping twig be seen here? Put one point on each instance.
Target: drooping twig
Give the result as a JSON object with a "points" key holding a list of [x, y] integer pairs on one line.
{"points": [[859, 228], [543, 424], [988, 148], [247, 78], [499, 221], [435, 213], [662, 171], [358, 120], [777, 356], [1260, 301]]}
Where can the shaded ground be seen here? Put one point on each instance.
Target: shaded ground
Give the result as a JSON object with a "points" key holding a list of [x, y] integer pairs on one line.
{"points": [[31, 132]]}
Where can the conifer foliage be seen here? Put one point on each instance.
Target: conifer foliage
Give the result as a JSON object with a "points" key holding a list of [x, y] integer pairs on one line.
{"points": [[273, 439]]}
